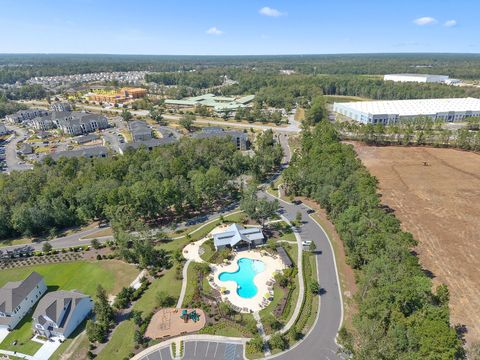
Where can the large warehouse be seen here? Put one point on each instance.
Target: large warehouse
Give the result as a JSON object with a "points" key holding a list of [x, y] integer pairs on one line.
{"points": [[390, 111], [420, 78]]}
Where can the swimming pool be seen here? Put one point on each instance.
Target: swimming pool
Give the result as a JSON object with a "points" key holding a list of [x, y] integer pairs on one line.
{"points": [[247, 270]]}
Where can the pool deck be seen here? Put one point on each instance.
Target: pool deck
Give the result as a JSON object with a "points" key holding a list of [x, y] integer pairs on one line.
{"points": [[254, 304]]}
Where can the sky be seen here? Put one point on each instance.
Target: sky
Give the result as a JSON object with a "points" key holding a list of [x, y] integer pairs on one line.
{"points": [[239, 27]]}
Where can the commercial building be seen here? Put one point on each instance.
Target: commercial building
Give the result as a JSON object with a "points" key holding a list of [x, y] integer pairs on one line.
{"points": [[391, 111], [59, 313], [217, 103], [236, 236], [18, 297], [120, 96], [420, 78], [240, 139], [25, 115]]}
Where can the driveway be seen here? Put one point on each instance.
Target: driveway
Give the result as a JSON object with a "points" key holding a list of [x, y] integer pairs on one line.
{"points": [[47, 349]]}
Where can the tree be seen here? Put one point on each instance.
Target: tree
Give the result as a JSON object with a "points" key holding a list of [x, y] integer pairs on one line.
{"points": [[95, 331], [317, 111], [256, 344], [187, 121], [95, 244], [47, 247], [157, 115], [126, 115], [138, 337], [278, 341], [298, 217], [137, 317], [312, 247], [104, 313], [165, 300], [314, 287], [255, 208]]}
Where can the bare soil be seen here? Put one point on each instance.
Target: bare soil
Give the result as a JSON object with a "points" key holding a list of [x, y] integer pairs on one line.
{"points": [[435, 193]]}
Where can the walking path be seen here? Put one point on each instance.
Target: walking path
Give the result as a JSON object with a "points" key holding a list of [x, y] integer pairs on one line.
{"points": [[261, 332], [184, 284]]}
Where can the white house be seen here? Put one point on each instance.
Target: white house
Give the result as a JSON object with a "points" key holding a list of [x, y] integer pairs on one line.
{"points": [[60, 312], [17, 298], [236, 236]]}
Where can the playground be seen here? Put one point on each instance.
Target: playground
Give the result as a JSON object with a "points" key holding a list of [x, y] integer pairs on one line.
{"points": [[170, 322]]}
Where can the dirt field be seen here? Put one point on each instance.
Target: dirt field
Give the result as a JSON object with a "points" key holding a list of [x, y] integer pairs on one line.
{"points": [[440, 205]]}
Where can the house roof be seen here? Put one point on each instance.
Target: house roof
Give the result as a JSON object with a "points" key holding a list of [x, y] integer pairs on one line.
{"points": [[13, 293], [94, 151], [236, 233], [284, 256], [58, 306]]}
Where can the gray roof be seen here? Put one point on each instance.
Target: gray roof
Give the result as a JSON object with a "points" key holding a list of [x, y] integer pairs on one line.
{"points": [[13, 293], [147, 143], [284, 256], [87, 152], [58, 306], [86, 138], [236, 233], [214, 131]]}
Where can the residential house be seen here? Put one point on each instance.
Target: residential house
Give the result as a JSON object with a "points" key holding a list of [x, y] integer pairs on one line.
{"points": [[147, 144], [240, 139], [59, 313], [18, 297], [26, 149], [61, 106], [140, 131], [87, 152], [236, 236], [42, 123], [82, 123], [25, 115], [3, 129]]}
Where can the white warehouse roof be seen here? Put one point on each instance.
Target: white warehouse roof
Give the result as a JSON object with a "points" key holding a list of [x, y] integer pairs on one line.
{"points": [[423, 107]]}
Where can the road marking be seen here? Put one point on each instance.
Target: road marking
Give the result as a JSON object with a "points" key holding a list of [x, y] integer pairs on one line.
{"points": [[195, 351], [208, 345], [215, 353]]}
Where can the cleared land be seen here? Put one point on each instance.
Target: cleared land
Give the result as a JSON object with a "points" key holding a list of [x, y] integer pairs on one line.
{"points": [[440, 205]]}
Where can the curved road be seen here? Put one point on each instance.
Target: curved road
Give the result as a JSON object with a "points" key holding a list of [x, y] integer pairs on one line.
{"points": [[320, 342]]}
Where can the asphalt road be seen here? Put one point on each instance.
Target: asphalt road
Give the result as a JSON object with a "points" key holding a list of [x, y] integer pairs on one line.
{"points": [[12, 160], [320, 342]]}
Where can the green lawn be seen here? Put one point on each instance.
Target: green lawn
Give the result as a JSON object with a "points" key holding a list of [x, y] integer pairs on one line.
{"points": [[121, 343], [80, 275], [191, 279], [23, 334], [197, 235], [208, 250]]}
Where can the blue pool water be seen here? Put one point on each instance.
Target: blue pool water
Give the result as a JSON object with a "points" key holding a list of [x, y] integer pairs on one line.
{"points": [[247, 269]]}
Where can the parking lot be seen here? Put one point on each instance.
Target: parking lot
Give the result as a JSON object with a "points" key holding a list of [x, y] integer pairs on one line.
{"points": [[212, 350], [3, 163], [162, 354]]}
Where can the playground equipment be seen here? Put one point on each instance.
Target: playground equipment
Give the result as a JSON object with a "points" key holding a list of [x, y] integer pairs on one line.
{"points": [[190, 316]]}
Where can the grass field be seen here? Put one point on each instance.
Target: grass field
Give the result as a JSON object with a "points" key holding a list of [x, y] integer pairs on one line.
{"points": [[81, 275], [121, 343], [22, 334]]}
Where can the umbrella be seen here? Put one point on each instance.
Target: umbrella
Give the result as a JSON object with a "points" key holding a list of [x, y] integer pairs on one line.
{"points": [[267, 296]]}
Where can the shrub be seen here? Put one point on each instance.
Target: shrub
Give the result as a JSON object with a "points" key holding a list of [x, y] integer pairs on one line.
{"points": [[278, 341]]}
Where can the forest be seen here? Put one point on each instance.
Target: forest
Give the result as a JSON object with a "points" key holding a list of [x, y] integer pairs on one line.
{"points": [[160, 187], [399, 316], [421, 131], [21, 67]]}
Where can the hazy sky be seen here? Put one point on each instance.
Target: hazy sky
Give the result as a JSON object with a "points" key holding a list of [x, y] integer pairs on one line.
{"points": [[203, 27]]}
